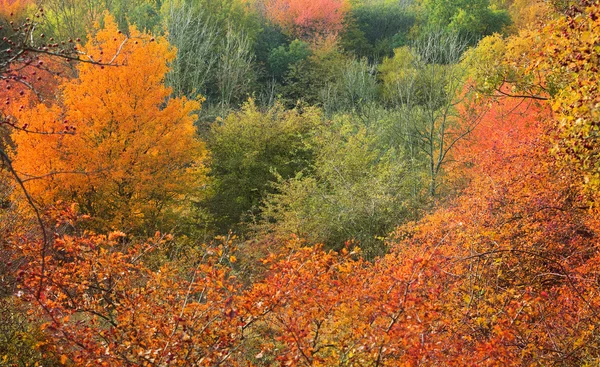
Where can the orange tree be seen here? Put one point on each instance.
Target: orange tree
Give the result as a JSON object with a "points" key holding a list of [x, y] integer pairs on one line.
{"points": [[129, 153]]}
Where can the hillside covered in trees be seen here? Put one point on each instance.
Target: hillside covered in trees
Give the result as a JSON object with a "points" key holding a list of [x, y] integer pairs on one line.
{"points": [[299, 183]]}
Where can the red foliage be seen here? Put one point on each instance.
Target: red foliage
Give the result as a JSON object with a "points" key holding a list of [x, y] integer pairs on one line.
{"points": [[308, 18]]}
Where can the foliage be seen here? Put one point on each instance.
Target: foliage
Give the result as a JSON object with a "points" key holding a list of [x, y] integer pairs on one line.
{"points": [[103, 306], [268, 40], [526, 14], [473, 18], [384, 27], [239, 14], [569, 55], [282, 58], [495, 279], [234, 68], [27, 63], [427, 82], [196, 39], [357, 191], [354, 90], [556, 63], [250, 149], [307, 19], [129, 155], [214, 42], [308, 80], [493, 153], [71, 19], [22, 343]]}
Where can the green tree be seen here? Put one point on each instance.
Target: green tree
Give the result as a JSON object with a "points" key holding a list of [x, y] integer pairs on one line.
{"points": [[214, 56], [307, 80], [354, 90], [357, 190], [71, 19], [382, 26], [427, 83], [282, 58], [472, 18], [250, 150]]}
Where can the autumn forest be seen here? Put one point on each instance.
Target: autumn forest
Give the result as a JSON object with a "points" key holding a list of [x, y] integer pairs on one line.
{"points": [[299, 183]]}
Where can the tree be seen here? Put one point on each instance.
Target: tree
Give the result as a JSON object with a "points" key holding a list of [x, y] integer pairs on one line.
{"points": [[472, 18], [308, 80], [499, 277], [554, 62], [427, 82], [307, 19], [214, 50], [568, 60], [356, 191], [282, 58], [383, 26], [250, 149], [70, 19], [130, 153], [105, 306], [355, 88]]}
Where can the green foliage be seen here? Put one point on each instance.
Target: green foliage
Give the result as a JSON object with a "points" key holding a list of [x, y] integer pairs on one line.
{"points": [[223, 13], [250, 150], [75, 19], [355, 89], [22, 343], [282, 58], [382, 26], [408, 80], [145, 16], [214, 56], [358, 190], [268, 39], [426, 82], [306, 80], [472, 18]]}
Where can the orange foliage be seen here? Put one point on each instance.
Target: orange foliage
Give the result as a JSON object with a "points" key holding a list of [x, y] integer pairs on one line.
{"points": [[13, 8], [115, 142], [102, 306], [29, 82], [559, 62], [505, 275], [506, 124], [308, 18], [497, 278]]}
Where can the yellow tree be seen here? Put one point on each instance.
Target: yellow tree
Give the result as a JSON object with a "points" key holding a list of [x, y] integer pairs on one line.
{"points": [[113, 141]]}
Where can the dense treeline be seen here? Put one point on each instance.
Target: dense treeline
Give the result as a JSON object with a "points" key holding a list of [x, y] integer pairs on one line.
{"points": [[299, 182]]}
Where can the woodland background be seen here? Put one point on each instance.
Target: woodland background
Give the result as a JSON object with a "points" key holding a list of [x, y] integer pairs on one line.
{"points": [[299, 183]]}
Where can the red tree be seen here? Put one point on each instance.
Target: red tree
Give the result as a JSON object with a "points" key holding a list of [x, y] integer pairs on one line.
{"points": [[308, 18]]}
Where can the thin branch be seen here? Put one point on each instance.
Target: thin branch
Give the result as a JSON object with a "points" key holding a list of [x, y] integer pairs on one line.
{"points": [[38, 216]]}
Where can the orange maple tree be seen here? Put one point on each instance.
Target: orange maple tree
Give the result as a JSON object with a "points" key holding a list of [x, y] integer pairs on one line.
{"points": [[114, 141]]}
